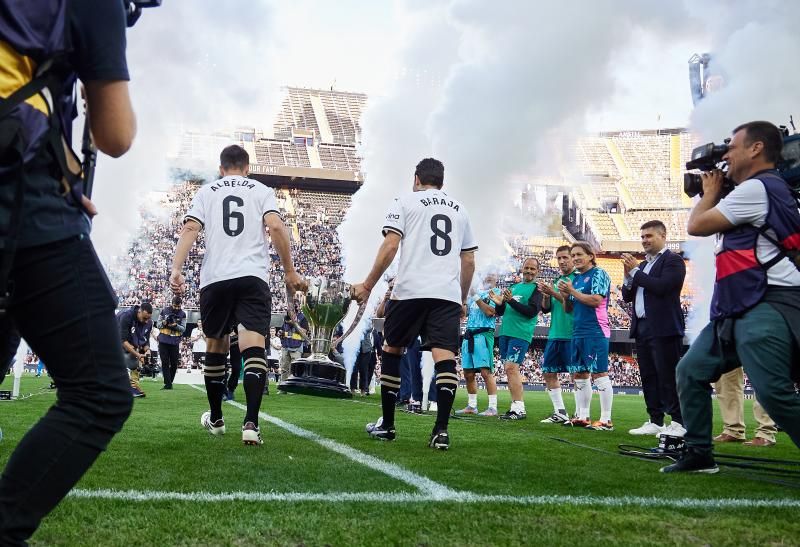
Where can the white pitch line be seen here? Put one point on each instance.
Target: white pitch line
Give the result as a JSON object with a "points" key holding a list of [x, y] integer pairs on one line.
{"points": [[452, 497], [424, 484]]}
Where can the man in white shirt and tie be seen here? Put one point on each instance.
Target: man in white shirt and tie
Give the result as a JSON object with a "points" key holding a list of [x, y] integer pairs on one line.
{"points": [[654, 288]]}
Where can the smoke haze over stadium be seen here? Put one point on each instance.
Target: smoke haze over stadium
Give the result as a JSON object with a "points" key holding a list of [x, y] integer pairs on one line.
{"points": [[479, 87]]}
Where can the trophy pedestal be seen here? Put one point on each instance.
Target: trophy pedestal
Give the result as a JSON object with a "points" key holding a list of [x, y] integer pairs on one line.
{"points": [[317, 376]]}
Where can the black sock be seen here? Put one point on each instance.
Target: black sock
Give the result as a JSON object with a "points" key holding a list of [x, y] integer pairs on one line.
{"points": [[214, 376], [390, 387], [255, 377], [446, 385]]}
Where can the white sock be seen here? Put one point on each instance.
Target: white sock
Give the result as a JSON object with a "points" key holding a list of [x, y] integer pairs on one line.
{"points": [[606, 392], [558, 401], [472, 400], [583, 397], [493, 401], [518, 406]]}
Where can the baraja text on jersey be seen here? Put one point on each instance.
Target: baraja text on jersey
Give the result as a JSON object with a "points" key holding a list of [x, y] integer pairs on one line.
{"points": [[232, 183], [437, 201]]}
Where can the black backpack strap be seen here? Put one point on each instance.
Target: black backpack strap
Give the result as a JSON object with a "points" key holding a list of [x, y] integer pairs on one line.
{"points": [[783, 252], [22, 94], [8, 245]]}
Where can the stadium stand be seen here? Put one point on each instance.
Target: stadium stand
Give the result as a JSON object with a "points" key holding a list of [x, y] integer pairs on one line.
{"points": [[626, 179]]}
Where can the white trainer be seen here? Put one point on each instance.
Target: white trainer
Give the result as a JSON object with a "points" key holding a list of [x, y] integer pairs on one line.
{"points": [[648, 428], [215, 428], [675, 429], [433, 407]]}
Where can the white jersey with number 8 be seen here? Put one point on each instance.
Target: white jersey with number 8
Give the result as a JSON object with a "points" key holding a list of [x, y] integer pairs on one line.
{"points": [[435, 230], [231, 211]]}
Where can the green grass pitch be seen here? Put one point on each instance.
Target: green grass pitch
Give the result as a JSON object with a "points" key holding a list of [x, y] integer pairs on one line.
{"points": [[320, 480]]}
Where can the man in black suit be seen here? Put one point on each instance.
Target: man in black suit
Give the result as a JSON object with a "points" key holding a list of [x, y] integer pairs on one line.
{"points": [[657, 324]]}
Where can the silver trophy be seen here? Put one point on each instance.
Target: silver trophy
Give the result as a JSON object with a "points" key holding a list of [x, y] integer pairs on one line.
{"points": [[325, 306]]}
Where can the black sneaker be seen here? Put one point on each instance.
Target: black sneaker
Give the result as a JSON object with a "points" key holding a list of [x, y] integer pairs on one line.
{"points": [[402, 402], [439, 440], [377, 431], [693, 462], [513, 415]]}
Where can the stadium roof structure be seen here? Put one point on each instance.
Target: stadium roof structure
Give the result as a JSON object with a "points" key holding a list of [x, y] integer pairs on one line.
{"points": [[621, 178]]}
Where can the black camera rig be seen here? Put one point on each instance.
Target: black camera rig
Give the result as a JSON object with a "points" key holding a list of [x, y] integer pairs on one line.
{"points": [[709, 157]]}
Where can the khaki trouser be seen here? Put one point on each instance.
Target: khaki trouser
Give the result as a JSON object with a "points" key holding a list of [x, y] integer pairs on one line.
{"points": [[730, 394], [287, 356], [135, 379]]}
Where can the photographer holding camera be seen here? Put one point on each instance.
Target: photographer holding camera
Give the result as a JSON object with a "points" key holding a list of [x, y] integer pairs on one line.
{"points": [[755, 309], [135, 325], [56, 293], [171, 326]]}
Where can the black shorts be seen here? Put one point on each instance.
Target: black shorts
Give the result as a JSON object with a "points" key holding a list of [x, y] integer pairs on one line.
{"points": [[437, 321], [243, 300]]}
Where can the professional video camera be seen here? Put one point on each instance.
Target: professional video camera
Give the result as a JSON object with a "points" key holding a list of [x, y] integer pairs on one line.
{"points": [[709, 157], [706, 158]]}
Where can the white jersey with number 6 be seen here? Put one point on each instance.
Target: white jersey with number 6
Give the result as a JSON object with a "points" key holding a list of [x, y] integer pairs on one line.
{"points": [[231, 211], [435, 230]]}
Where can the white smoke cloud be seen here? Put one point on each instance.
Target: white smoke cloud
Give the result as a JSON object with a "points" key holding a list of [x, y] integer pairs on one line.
{"points": [[514, 76], [507, 97], [392, 143], [749, 49], [750, 45], [517, 94], [193, 65]]}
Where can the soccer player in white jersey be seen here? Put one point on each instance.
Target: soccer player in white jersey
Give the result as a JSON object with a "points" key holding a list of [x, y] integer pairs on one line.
{"points": [[437, 260], [233, 279]]}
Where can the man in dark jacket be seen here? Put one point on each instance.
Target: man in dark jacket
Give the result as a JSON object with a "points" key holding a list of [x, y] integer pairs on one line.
{"points": [[135, 325], [657, 325], [171, 326]]}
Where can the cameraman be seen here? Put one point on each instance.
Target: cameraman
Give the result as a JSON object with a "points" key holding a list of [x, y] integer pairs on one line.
{"points": [[135, 325], [171, 326], [755, 309], [61, 301], [294, 331]]}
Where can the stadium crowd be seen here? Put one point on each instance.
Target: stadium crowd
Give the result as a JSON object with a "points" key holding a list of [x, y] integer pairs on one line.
{"points": [[141, 275]]}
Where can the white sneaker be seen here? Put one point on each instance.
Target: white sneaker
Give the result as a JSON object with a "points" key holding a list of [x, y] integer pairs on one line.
{"points": [[648, 428], [433, 406], [215, 428], [675, 429]]}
